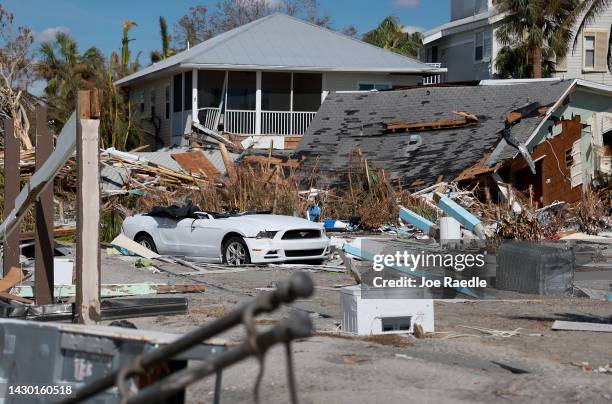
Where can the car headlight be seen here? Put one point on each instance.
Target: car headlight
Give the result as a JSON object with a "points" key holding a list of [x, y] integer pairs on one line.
{"points": [[266, 234]]}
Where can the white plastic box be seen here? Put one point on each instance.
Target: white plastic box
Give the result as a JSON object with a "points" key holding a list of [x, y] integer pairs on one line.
{"points": [[384, 316]]}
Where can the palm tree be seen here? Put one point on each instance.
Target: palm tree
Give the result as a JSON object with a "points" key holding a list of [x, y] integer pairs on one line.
{"points": [[125, 45], [66, 71], [541, 27], [390, 35], [166, 51]]}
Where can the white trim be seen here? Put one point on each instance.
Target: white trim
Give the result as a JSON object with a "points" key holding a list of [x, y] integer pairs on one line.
{"points": [[508, 82]]}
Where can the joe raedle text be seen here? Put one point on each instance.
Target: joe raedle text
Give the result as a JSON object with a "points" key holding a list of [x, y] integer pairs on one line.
{"points": [[446, 282]]}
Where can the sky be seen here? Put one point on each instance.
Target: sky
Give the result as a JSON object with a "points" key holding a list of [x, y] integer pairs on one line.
{"points": [[98, 22]]}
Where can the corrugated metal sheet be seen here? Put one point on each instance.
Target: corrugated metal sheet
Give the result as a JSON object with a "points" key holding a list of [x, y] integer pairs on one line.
{"points": [[280, 41]]}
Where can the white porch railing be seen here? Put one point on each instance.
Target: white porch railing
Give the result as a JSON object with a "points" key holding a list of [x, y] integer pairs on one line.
{"points": [[435, 79], [241, 122], [209, 117], [285, 122]]}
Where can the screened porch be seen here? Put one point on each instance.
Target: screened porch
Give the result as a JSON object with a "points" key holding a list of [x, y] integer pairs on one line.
{"points": [[246, 102]]}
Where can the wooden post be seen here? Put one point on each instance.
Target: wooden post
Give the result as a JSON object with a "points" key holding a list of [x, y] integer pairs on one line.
{"points": [[43, 236], [88, 208], [11, 190]]}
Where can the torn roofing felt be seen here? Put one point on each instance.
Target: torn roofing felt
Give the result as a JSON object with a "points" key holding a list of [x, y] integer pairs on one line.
{"points": [[349, 121]]}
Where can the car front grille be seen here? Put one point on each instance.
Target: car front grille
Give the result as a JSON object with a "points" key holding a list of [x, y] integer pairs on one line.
{"points": [[301, 234], [304, 253]]}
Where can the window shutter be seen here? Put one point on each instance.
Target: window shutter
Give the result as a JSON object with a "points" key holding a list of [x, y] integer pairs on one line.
{"points": [[601, 51]]}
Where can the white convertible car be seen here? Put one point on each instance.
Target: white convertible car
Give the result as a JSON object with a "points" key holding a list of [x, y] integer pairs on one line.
{"points": [[234, 239]]}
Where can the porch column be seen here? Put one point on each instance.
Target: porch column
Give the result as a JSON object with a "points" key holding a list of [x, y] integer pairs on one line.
{"points": [[291, 107], [324, 91], [258, 102], [194, 96]]}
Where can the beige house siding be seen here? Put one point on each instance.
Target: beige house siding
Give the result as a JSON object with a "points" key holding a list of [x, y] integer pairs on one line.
{"points": [[573, 67], [157, 87]]}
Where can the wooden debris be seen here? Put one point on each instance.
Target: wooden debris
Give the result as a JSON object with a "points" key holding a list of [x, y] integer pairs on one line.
{"points": [[12, 278], [9, 296], [468, 119], [196, 164]]}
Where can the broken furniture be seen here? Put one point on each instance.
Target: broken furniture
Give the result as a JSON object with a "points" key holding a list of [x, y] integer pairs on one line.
{"points": [[69, 356]]}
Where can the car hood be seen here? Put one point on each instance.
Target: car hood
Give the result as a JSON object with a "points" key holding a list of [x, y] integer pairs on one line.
{"points": [[273, 222]]}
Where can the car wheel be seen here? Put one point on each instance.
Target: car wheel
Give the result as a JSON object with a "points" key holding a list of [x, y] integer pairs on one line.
{"points": [[146, 241], [236, 252]]}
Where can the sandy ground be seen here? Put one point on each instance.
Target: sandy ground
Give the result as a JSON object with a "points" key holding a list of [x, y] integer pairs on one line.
{"points": [[456, 364]]}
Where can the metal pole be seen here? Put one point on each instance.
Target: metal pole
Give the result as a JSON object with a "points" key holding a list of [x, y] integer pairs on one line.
{"points": [[294, 327], [298, 286], [43, 246], [11, 190]]}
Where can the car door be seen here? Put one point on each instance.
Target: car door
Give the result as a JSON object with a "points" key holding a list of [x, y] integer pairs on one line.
{"points": [[205, 237]]}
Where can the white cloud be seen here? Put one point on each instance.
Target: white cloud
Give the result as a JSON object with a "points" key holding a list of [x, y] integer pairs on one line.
{"points": [[48, 34], [405, 3], [411, 29]]}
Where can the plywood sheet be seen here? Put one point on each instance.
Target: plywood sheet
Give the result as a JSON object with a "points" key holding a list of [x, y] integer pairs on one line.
{"points": [[196, 163]]}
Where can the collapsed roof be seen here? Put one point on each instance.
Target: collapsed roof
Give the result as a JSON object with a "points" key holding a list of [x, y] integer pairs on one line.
{"points": [[360, 120]]}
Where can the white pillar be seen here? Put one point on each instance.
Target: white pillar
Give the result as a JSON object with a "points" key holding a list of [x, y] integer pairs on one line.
{"points": [[258, 103], [194, 96], [291, 107], [324, 91]]}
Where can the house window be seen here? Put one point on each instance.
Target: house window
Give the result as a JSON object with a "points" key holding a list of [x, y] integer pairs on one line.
{"points": [[432, 54], [167, 101], [187, 91], [152, 101], [141, 102], [374, 86], [589, 52], [569, 159], [177, 93], [479, 47]]}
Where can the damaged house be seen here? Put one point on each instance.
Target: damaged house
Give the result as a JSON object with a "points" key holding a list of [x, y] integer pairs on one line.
{"points": [[264, 80], [550, 137]]}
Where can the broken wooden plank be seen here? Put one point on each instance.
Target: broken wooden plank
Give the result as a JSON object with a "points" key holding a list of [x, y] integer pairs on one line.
{"points": [[10, 279], [117, 290], [468, 119], [130, 246], [581, 326], [194, 162], [15, 298]]}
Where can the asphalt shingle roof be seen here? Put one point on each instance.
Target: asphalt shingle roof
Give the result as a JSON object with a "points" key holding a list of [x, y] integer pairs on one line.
{"points": [[355, 120]]}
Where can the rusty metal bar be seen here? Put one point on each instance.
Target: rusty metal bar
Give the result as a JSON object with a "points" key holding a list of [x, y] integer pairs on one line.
{"points": [[43, 247], [11, 190], [298, 286], [298, 325]]}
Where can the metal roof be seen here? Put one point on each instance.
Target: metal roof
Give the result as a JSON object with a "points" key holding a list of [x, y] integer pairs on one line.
{"points": [[347, 121], [282, 42]]}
